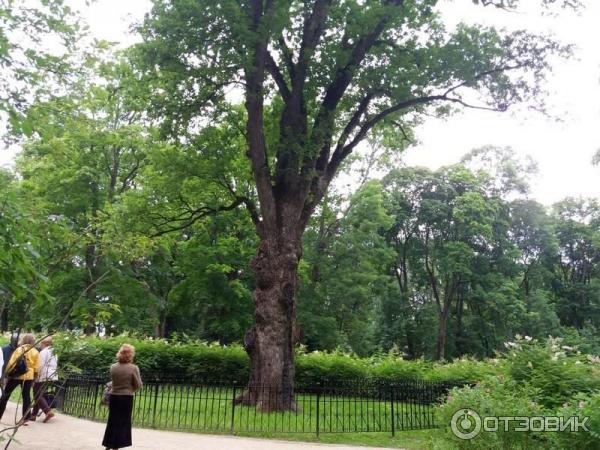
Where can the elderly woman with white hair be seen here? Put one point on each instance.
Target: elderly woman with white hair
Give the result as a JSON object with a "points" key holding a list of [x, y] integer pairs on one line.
{"points": [[126, 381]]}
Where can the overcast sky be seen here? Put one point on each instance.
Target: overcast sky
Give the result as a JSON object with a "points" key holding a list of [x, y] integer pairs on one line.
{"points": [[563, 150]]}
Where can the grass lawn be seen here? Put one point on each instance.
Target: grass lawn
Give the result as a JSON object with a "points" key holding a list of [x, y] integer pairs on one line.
{"points": [[410, 440]]}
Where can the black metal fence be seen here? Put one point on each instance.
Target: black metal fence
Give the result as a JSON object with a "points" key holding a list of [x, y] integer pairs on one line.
{"points": [[201, 405]]}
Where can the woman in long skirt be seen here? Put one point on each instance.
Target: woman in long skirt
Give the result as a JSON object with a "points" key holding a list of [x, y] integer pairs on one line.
{"points": [[126, 381]]}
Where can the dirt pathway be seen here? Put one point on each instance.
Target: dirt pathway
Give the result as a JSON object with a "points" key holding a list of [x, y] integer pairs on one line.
{"points": [[68, 433]]}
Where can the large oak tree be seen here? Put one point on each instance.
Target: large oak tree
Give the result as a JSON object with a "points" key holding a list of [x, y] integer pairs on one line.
{"points": [[317, 77]]}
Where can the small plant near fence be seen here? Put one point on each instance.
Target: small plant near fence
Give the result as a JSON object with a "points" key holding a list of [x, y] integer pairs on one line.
{"points": [[205, 405]]}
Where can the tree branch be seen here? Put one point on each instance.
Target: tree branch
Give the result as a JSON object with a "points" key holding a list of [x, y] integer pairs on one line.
{"points": [[197, 214], [288, 57], [344, 75], [327, 170], [343, 150], [482, 75], [351, 125], [257, 150], [324, 120], [248, 202], [313, 28], [130, 176], [273, 69]]}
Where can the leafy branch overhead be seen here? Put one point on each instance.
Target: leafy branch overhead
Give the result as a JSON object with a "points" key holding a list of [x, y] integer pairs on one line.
{"points": [[32, 69]]}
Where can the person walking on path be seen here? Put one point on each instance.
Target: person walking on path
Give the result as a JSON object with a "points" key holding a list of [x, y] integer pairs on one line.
{"points": [[7, 351], [22, 368], [126, 381], [48, 374]]}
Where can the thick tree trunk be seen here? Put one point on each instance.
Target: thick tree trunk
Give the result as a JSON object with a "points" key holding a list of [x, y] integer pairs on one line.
{"points": [[445, 306], [459, 338], [270, 342], [411, 350], [161, 329]]}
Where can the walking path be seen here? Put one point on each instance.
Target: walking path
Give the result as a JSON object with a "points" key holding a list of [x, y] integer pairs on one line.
{"points": [[68, 433]]}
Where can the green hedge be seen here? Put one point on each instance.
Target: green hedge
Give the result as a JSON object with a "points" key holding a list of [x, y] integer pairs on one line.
{"points": [[154, 356], [231, 363]]}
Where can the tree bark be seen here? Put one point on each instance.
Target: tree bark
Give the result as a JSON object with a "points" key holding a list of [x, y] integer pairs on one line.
{"points": [[92, 262], [459, 325], [90, 289], [450, 287], [442, 335], [270, 342], [161, 329]]}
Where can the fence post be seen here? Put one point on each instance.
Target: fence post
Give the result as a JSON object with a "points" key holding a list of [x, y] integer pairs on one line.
{"points": [[233, 409], [95, 401], [154, 408], [62, 393], [318, 402], [392, 407]]}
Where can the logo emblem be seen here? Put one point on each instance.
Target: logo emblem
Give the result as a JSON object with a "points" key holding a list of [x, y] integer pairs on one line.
{"points": [[465, 424]]}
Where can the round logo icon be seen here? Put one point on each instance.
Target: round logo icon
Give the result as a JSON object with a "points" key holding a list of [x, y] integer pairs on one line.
{"points": [[465, 424]]}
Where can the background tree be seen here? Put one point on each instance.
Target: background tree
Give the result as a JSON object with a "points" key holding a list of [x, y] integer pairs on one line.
{"points": [[468, 260], [452, 224], [212, 244], [345, 272], [22, 271], [85, 151], [576, 283]]}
